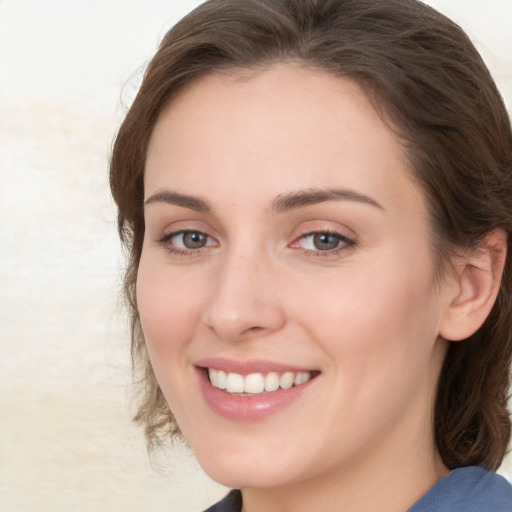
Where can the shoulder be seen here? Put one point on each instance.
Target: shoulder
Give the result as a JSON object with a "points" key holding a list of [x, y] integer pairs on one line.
{"points": [[470, 489], [231, 503]]}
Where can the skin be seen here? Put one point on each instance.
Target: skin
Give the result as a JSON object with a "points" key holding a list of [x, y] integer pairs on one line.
{"points": [[367, 316]]}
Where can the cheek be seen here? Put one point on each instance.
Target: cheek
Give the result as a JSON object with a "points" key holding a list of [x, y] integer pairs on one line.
{"points": [[168, 311], [380, 336], [374, 325], [169, 317]]}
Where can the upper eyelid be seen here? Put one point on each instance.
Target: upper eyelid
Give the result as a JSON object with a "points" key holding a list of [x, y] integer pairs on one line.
{"points": [[342, 236], [165, 241], [181, 226], [304, 234], [346, 246], [316, 231], [173, 233], [350, 239], [328, 229]]}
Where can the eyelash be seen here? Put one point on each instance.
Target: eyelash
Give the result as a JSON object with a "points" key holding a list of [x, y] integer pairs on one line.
{"points": [[345, 243], [166, 241]]}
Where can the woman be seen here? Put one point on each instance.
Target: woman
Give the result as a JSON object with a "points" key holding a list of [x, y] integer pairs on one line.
{"points": [[317, 201]]}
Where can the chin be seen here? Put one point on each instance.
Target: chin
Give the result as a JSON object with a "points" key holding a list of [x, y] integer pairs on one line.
{"points": [[254, 465], [245, 477]]}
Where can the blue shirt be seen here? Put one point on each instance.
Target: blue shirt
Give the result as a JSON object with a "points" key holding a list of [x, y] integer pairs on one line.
{"points": [[470, 489]]}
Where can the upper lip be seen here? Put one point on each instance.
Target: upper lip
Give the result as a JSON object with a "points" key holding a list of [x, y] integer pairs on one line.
{"points": [[249, 366]]}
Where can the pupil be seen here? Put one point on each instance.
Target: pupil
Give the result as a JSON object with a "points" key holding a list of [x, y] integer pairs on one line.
{"points": [[325, 241], [193, 240]]}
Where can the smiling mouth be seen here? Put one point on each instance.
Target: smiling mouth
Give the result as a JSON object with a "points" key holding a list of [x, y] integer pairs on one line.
{"points": [[257, 383]]}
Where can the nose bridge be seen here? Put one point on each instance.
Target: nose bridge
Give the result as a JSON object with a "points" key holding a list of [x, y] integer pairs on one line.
{"points": [[243, 301]]}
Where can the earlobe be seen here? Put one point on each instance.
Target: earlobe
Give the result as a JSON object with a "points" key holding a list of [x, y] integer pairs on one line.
{"points": [[478, 279]]}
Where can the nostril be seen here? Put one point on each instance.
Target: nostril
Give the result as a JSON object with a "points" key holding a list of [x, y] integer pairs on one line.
{"points": [[254, 329]]}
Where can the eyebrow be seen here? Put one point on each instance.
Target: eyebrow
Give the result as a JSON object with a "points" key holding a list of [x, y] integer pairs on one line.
{"points": [[303, 198], [282, 203], [183, 200]]}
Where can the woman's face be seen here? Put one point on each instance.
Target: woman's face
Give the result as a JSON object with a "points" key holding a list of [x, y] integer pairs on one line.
{"points": [[287, 256]]}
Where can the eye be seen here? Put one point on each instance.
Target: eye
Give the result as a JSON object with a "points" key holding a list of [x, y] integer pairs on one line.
{"points": [[190, 240], [321, 241], [324, 241], [186, 241]]}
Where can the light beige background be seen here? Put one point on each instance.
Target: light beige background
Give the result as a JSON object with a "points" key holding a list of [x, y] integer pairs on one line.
{"points": [[68, 69]]}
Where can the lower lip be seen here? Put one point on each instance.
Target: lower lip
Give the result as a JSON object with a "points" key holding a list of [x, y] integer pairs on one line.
{"points": [[249, 408]]}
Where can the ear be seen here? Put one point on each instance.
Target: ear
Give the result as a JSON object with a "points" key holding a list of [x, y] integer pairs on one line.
{"points": [[476, 285]]}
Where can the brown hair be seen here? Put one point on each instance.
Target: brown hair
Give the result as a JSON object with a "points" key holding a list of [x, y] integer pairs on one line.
{"points": [[424, 75]]}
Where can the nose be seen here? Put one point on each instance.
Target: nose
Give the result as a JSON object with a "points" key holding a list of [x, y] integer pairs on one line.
{"points": [[244, 301]]}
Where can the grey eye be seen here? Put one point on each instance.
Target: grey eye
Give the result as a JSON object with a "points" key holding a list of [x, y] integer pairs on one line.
{"points": [[325, 241], [191, 240]]}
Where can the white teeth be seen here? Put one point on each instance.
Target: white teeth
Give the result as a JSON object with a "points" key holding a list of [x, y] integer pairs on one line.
{"points": [[301, 378], [286, 380], [256, 383], [235, 383], [271, 381], [222, 380], [214, 377]]}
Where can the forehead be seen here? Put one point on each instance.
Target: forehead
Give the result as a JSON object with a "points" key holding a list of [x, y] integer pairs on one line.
{"points": [[255, 100], [274, 130]]}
